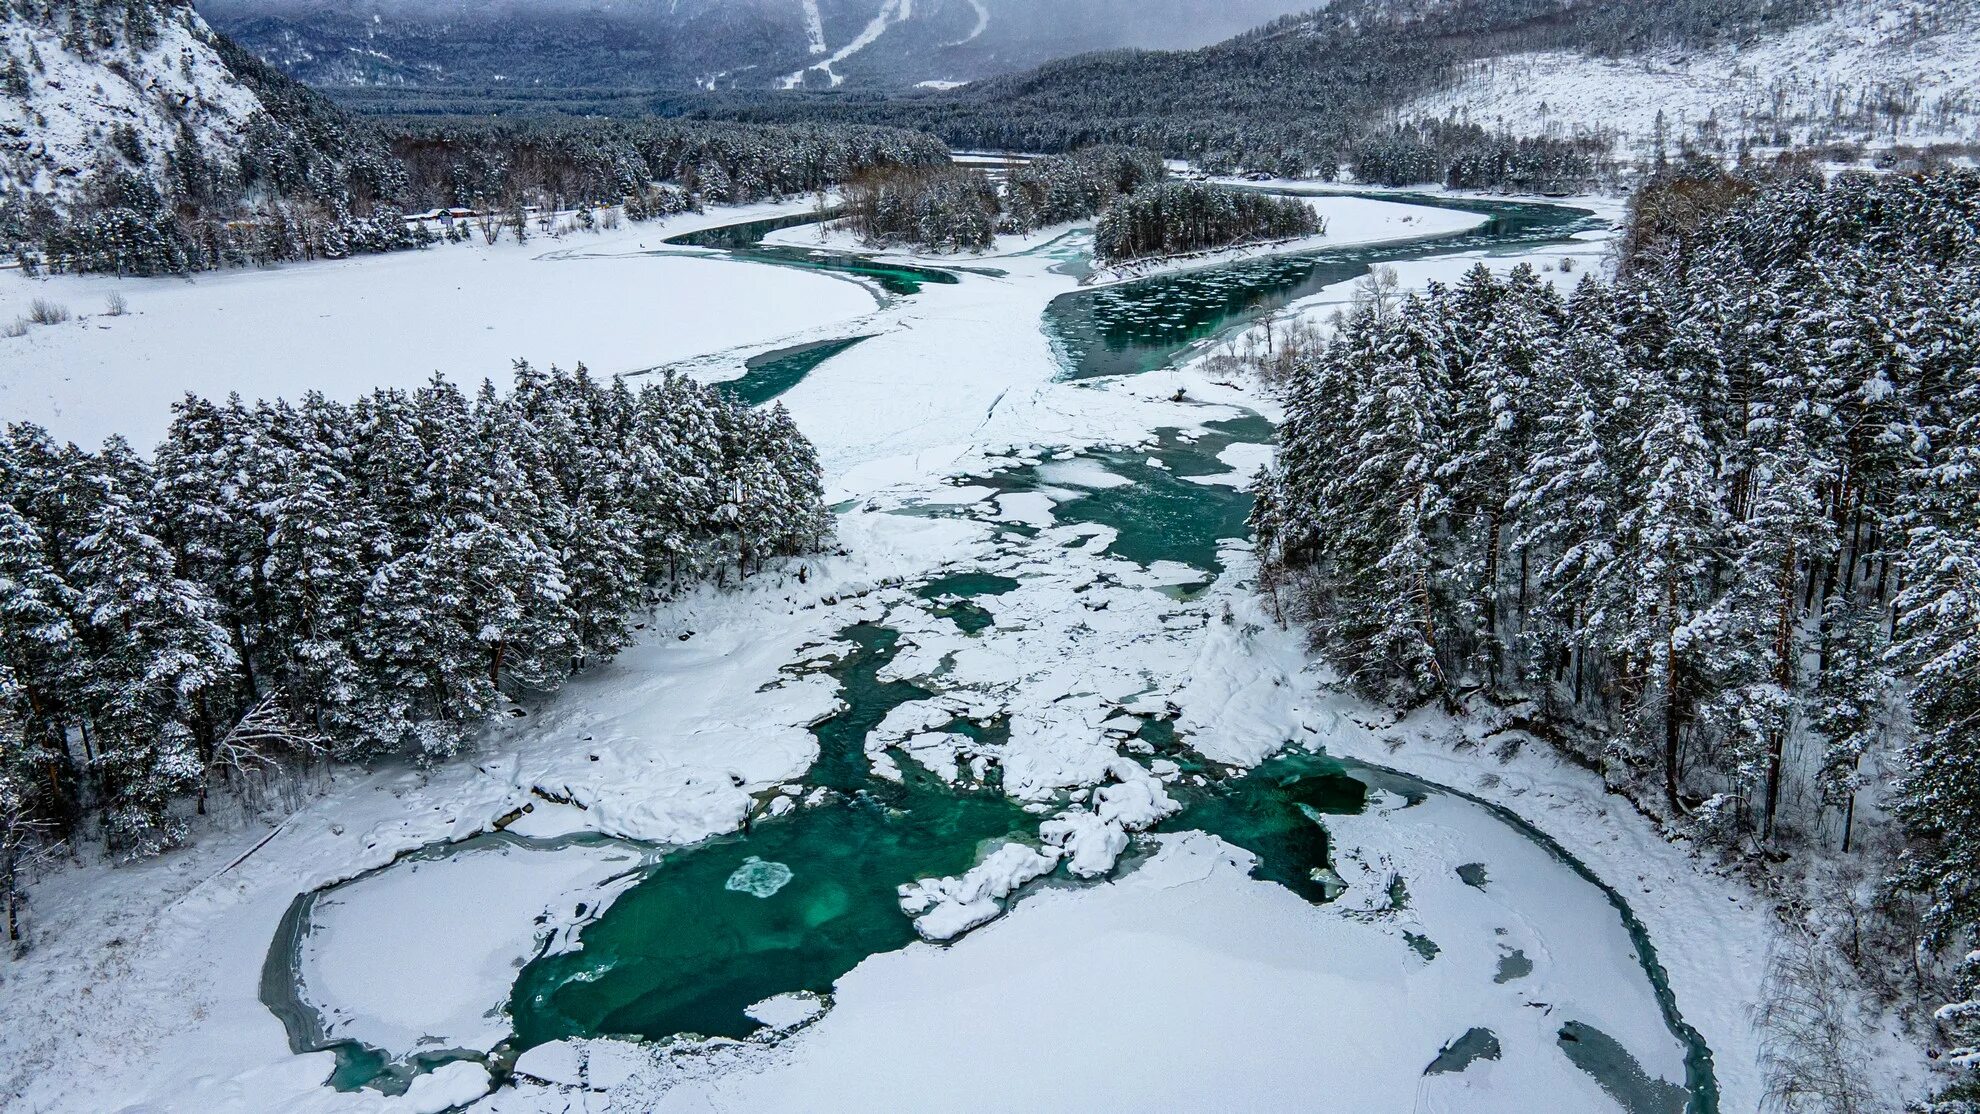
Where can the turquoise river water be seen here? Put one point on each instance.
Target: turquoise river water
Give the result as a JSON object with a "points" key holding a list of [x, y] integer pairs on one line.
{"points": [[686, 950]]}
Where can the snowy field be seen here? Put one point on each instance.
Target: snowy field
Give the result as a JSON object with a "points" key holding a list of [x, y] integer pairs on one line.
{"points": [[464, 311], [1184, 983]]}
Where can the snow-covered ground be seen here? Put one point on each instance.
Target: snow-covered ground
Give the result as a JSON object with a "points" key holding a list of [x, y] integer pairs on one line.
{"points": [[1141, 993], [1185, 985], [464, 311], [1350, 221], [832, 238], [419, 956], [1924, 54]]}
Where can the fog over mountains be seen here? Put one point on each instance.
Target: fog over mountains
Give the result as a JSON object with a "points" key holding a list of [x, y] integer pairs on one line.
{"points": [[709, 44]]}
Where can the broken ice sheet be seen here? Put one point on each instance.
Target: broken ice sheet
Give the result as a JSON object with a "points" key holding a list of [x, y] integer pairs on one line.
{"points": [[758, 878]]}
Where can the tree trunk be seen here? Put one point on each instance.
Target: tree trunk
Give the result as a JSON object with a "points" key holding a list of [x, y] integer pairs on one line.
{"points": [[9, 890], [1672, 726], [1849, 820], [1490, 594], [1784, 677], [247, 665]]}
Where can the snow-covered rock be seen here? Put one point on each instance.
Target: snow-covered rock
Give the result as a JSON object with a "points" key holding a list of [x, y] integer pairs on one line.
{"points": [[74, 99], [949, 907], [1138, 802], [1092, 845]]}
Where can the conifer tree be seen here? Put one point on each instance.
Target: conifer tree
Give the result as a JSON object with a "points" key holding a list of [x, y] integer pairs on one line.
{"points": [[159, 663]]}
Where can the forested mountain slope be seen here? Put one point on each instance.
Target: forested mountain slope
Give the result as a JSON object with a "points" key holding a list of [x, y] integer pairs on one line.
{"points": [[1418, 85], [1710, 526], [135, 132], [727, 44]]}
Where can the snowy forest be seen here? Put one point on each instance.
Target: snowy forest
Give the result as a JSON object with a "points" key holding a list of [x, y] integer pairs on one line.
{"points": [[283, 583], [954, 209], [1179, 218], [1141, 214], [1714, 527]]}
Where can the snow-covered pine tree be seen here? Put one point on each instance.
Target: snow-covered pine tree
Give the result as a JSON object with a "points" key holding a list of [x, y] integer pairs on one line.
{"points": [[1674, 541], [1848, 710], [1496, 399], [1786, 538], [1390, 578], [39, 654], [159, 665], [1938, 644], [323, 541], [1568, 503]]}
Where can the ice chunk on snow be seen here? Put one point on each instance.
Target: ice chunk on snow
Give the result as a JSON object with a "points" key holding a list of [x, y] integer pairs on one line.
{"points": [[427, 951], [1082, 472], [1096, 839], [1138, 803], [1029, 508], [446, 1087], [598, 1064], [786, 1011], [936, 752], [560, 1062], [758, 878], [950, 907], [1094, 844]]}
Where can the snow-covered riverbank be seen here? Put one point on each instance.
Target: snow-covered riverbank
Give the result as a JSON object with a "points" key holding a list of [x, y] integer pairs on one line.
{"points": [[1351, 222], [1183, 975], [463, 311]]}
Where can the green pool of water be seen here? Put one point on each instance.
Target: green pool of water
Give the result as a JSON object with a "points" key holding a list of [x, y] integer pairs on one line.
{"points": [[689, 948], [1159, 514], [767, 377], [685, 951], [1140, 326], [1277, 812], [955, 598], [967, 585], [745, 242]]}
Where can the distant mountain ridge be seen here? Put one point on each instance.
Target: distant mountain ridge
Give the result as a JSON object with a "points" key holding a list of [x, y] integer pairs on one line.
{"points": [[1470, 91], [708, 44]]}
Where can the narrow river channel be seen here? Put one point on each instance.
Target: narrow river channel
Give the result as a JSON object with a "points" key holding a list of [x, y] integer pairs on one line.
{"points": [[798, 899]]}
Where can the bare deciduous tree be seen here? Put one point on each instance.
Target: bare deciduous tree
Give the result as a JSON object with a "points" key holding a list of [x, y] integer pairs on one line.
{"points": [[259, 758], [25, 847], [1813, 1041]]}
